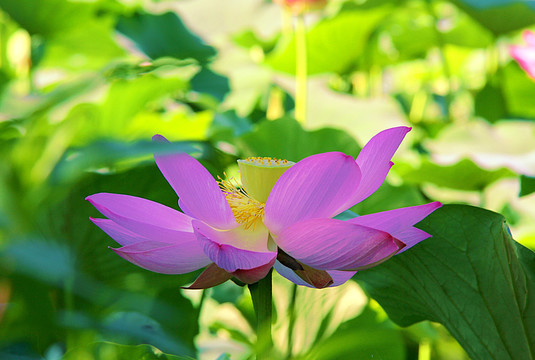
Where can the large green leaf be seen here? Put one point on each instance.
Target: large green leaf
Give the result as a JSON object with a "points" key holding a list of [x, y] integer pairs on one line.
{"points": [[48, 17], [464, 175], [471, 276], [334, 45], [75, 34], [500, 16], [527, 185], [519, 91], [364, 337], [101, 154], [286, 139], [164, 35], [415, 21], [490, 104]]}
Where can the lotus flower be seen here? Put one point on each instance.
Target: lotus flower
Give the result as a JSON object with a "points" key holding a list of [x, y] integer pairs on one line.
{"points": [[282, 216], [525, 55], [300, 6]]}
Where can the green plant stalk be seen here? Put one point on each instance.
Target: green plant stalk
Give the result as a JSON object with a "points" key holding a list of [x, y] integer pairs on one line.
{"points": [[262, 303], [445, 65], [301, 69], [291, 321], [68, 299], [4, 63]]}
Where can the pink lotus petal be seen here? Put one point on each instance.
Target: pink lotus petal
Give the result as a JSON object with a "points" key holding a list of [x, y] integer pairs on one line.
{"points": [[183, 207], [253, 275], [143, 217], [197, 189], [374, 161], [252, 239], [529, 37], [330, 244], [118, 233], [396, 221], [181, 258], [339, 277], [142, 246], [210, 277], [525, 56], [315, 187], [411, 237], [230, 258]]}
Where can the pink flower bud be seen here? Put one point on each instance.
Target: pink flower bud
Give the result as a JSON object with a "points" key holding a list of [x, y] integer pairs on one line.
{"points": [[301, 6]]}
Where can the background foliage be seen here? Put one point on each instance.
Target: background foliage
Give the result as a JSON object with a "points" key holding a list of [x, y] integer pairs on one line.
{"points": [[85, 84]]}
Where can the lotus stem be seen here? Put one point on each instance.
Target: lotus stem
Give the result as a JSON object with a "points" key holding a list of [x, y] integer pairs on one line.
{"points": [[262, 303]]}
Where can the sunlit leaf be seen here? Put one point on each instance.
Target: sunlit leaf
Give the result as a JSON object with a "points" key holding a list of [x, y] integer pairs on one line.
{"points": [[471, 276], [48, 17], [503, 144], [464, 175], [334, 44]]}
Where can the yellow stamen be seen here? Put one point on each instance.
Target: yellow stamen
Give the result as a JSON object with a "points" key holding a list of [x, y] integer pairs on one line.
{"points": [[247, 211]]}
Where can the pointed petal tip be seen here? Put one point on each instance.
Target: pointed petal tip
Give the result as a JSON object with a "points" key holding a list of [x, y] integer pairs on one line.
{"points": [[210, 277], [403, 128], [159, 138], [93, 198], [96, 221], [437, 204]]}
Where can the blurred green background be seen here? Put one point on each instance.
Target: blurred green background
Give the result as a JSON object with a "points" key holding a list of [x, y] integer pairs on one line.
{"points": [[85, 84]]}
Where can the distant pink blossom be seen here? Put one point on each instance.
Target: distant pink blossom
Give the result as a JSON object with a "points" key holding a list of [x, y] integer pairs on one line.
{"points": [[234, 235], [525, 54], [299, 6]]}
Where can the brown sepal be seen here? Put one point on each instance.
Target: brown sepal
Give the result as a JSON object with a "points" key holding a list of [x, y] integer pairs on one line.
{"points": [[213, 275]]}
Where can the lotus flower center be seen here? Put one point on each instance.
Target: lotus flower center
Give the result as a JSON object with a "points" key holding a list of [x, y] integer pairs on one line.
{"points": [[258, 176], [246, 210]]}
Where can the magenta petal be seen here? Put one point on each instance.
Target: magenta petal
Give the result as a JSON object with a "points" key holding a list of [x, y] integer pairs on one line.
{"points": [[339, 277], [164, 258], [315, 187], [525, 56], [529, 38], [118, 233], [374, 160], [197, 189], [330, 244], [396, 221], [143, 217], [411, 237], [230, 258], [253, 239]]}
